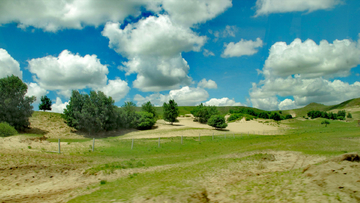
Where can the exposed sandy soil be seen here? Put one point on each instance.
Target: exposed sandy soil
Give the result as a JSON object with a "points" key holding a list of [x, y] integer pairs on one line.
{"points": [[31, 175]]}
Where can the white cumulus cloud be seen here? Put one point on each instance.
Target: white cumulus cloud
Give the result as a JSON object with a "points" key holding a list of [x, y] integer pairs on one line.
{"points": [[74, 14], [58, 107], [287, 104], [312, 60], [208, 53], [265, 7], [35, 90], [222, 102], [68, 71], [242, 48], [210, 84], [186, 96], [117, 89], [153, 47], [9, 66]]}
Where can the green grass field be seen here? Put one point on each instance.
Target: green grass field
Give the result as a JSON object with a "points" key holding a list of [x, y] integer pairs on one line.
{"points": [[195, 158]]}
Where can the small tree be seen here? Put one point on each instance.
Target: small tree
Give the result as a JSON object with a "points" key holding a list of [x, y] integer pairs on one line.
{"points": [[217, 121], [171, 111], [149, 107], [326, 122], [349, 115], [145, 120], [15, 107], [45, 103], [275, 116]]}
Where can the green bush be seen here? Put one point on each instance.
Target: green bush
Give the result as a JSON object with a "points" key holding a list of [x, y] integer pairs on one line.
{"points": [[145, 120], [217, 121], [7, 130]]}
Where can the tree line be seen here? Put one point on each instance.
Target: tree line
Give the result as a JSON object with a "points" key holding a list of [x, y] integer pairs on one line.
{"points": [[341, 115]]}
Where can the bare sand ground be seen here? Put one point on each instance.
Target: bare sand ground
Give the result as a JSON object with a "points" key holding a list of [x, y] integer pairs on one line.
{"points": [[187, 127]]}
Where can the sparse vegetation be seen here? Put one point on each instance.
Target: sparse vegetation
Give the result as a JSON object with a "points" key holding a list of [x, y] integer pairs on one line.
{"points": [[7, 130]]}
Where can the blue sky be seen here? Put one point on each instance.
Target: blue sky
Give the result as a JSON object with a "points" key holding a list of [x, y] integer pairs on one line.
{"points": [[269, 54]]}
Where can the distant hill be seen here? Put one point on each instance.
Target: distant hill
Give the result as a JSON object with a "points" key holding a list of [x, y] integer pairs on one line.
{"points": [[321, 107]]}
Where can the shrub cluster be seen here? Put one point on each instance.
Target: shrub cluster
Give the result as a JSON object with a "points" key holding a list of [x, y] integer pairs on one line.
{"points": [[217, 121], [250, 114], [203, 113], [341, 115], [7, 130], [97, 112]]}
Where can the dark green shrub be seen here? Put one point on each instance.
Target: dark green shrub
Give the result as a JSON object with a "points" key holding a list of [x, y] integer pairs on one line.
{"points": [[217, 121], [145, 120], [349, 115], [7, 130], [326, 122], [288, 116]]}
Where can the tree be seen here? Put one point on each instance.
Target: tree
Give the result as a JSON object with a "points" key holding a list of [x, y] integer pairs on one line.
{"points": [[349, 115], [129, 109], [171, 111], [275, 116], [217, 121], [149, 107], [45, 103], [326, 122], [92, 113], [203, 113], [145, 120], [15, 107]]}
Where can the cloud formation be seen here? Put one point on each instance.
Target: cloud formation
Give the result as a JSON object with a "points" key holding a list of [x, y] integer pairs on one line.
{"points": [[210, 84], [186, 96], [58, 106], [35, 90], [312, 60], [69, 71], [117, 89], [9, 66], [153, 47], [242, 48], [265, 7], [222, 102]]}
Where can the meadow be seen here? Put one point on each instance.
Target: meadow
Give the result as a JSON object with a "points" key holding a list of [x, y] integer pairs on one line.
{"points": [[290, 166]]}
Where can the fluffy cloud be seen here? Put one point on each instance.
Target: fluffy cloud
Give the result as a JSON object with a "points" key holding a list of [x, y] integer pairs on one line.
{"points": [[222, 102], [57, 15], [9, 66], [229, 31], [68, 71], [304, 91], [35, 90], [153, 47], [186, 96], [117, 89], [312, 60], [287, 104], [243, 47], [210, 84], [265, 7], [192, 12], [302, 71], [58, 107]]}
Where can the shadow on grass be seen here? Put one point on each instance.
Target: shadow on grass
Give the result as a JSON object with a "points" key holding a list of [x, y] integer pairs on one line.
{"points": [[35, 131]]}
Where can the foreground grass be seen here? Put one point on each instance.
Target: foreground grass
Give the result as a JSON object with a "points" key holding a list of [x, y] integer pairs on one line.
{"points": [[193, 159]]}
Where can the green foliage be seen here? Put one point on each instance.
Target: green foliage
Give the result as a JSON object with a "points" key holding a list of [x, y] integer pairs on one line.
{"points": [[217, 121], [321, 114], [7, 130], [275, 116], [92, 113], [171, 111], [326, 122], [15, 107], [129, 115], [149, 107], [45, 103], [349, 115], [145, 120], [289, 116], [203, 113], [239, 116]]}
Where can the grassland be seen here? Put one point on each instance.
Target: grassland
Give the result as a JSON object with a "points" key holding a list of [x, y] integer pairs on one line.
{"points": [[239, 167]]}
